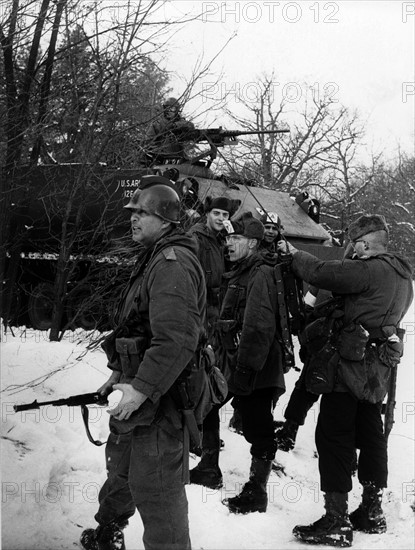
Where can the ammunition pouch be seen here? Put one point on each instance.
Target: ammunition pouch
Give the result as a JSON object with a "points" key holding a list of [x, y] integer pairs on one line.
{"points": [[368, 378], [352, 342], [108, 345], [130, 353]]}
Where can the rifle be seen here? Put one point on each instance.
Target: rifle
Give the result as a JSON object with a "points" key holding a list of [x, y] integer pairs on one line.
{"points": [[390, 403], [290, 306], [220, 137], [81, 400], [388, 408]]}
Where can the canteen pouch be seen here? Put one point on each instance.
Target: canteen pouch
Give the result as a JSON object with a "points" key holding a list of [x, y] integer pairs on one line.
{"points": [[218, 387], [352, 342]]}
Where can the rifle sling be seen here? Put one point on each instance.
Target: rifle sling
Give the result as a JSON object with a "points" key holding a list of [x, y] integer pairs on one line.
{"points": [[85, 418]]}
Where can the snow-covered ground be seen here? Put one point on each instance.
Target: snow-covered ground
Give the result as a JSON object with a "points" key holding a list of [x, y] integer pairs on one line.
{"points": [[51, 474]]}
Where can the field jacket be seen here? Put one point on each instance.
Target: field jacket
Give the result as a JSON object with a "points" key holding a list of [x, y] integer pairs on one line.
{"points": [[250, 332], [377, 293], [163, 308]]}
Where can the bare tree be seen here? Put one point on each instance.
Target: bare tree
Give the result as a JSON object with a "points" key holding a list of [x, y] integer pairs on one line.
{"points": [[319, 128], [81, 122]]}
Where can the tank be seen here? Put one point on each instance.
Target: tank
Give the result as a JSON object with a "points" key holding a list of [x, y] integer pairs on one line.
{"points": [[72, 235]]}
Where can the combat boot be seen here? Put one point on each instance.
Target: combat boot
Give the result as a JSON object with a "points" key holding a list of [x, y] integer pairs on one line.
{"points": [[104, 537], [286, 435], [253, 497], [369, 516], [333, 529], [207, 472]]}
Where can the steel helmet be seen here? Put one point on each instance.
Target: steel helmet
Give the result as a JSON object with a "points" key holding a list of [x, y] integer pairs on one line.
{"points": [[171, 102], [160, 198]]}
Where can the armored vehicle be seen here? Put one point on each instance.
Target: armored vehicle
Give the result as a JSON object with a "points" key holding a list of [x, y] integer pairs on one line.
{"points": [[71, 245]]}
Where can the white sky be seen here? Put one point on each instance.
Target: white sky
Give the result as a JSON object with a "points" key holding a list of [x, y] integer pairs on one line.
{"points": [[362, 50]]}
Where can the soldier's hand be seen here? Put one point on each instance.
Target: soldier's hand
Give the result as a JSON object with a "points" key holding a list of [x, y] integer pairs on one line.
{"points": [[131, 400], [286, 248], [108, 386]]}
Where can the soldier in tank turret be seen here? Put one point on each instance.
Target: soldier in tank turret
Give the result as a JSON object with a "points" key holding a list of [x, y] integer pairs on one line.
{"points": [[168, 134]]}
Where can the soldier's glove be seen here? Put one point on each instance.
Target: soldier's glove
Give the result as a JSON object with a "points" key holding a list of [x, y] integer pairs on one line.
{"points": [[243, 381]]}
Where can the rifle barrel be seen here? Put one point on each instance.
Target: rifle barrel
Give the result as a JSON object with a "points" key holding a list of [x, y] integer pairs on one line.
{"points": [[249, 132], [72, 401]]}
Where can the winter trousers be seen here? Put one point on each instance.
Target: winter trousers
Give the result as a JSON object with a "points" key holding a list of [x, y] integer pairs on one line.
{"points": [[300, 403], [343, 425], [145, 472], [257, 420]]}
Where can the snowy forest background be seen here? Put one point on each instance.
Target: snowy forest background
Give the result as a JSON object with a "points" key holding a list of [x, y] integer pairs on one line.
{"points": [[80, 82]]}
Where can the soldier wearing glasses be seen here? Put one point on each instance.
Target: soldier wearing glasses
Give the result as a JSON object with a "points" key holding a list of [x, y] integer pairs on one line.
{"points": [[376, 286]]}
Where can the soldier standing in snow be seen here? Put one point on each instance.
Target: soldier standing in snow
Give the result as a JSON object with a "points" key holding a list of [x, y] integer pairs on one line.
{"points": [[160, 323], [251, 358], [377, 291], [210, 236]]}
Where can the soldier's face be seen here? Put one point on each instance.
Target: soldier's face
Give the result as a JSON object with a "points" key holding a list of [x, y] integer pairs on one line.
{"points": [[239, 247], [215, 219], [359, 248], [146, 227], [170, 113], [270, 233]]}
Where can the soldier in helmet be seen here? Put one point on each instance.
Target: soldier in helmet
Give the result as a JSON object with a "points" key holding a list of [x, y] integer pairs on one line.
{"points": [[272, 232], [160, 321], [169, 133]]}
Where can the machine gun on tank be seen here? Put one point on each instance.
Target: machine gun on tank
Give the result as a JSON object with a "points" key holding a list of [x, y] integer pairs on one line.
{"points": [[220, 137]]}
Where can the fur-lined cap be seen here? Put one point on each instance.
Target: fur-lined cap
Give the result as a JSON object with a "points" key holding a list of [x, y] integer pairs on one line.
{"points": [[222, 203], [366, 224]]}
